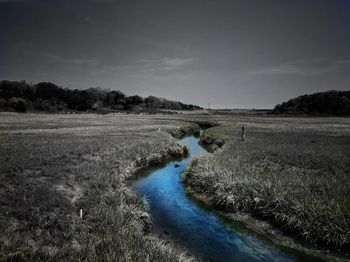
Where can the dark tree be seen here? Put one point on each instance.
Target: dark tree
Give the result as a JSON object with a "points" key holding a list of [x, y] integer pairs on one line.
{"points": [[324, 103], [46, 96], [21, 106]]}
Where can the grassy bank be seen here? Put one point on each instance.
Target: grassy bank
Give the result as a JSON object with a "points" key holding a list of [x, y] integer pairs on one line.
{"points": [[293, 172], [53, 166]]}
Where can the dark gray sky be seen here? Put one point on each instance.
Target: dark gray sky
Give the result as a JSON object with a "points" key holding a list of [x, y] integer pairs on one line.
{"points": [[233, 54]]}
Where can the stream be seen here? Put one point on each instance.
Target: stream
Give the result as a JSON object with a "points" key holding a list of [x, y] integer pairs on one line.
{"points": [[201, 230]]}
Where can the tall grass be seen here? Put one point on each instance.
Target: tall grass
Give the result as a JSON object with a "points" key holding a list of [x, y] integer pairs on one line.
{"points": [[298, 178], [53, 166]]}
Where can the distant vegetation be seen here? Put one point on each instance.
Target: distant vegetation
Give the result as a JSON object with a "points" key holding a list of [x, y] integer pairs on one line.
{"points": [[48, 97], [324, 103]]}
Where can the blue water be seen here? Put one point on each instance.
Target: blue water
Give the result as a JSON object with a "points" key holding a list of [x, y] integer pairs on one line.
{"points": [[200, 230]]}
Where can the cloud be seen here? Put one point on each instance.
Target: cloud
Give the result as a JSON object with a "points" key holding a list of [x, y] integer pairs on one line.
{"points": [[32, 49], [141, 66], [145, 66], [165, 63], [88, 20], [90, 62], [343, 62], [312, 67], [176, 62], [76, 61]]}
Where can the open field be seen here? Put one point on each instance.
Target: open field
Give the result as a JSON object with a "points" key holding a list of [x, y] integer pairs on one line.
{"points": [[54, 165], [293, 172]]}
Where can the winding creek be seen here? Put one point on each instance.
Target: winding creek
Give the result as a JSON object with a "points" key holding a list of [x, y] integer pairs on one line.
{"points": [[201, 230]]}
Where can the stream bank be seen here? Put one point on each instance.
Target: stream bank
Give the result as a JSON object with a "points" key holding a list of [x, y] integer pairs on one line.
{"points": [[197, 227]]}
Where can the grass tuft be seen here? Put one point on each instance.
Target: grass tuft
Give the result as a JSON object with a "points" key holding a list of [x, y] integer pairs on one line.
{"points": [[297, 178], [53, 166]]}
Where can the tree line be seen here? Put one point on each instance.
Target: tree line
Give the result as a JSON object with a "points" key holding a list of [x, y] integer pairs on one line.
{"points": [[323, 103], [21, 96]]}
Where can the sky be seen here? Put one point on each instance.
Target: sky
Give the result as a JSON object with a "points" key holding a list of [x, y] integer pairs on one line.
{"points": [[229, 53]]}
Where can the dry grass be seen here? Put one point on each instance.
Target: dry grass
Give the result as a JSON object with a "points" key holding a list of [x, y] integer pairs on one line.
{"points": [[294, 172], [291, 171], [54, 165]]}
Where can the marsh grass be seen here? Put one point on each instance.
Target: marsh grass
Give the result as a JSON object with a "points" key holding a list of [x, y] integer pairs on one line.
{"points": [[54, 165], [211, 139], [292, 172]]}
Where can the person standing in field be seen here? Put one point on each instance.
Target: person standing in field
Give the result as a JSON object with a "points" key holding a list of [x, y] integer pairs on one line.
{"points": [[243, 134]]}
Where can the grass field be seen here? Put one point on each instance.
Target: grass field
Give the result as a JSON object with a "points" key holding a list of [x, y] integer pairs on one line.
{"points": [[293, 172], [54, 165]]}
